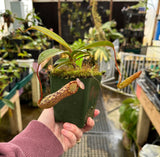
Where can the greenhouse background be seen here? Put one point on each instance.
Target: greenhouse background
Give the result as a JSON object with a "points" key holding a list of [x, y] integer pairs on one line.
{"points": [[110, 46]]}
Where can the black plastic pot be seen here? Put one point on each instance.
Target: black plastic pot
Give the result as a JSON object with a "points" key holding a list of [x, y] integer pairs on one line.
{"points": [[78, 107], [11, 56], [51, 43], [19, 79], [133, 50], [17, 42], [26, 41], [12, 84], [35, 53], [25, 72], [6, 88]]}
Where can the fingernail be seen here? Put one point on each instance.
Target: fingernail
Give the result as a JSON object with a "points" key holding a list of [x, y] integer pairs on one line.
{"points": [[67, 125], [89, 119], [91, 122], [64, 132]]}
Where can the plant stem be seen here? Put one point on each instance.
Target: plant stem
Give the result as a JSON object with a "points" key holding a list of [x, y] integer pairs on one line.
{"points": [[40, 85]]}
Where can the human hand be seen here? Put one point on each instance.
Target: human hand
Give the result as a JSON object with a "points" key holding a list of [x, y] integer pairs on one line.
{"points": [[67, 133]]}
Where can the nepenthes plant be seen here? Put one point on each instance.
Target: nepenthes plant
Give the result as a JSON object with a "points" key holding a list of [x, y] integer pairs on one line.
{"points": [[72, 60]]}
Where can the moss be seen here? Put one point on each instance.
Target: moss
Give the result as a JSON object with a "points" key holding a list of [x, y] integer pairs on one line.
{"points": [[74, 73]]}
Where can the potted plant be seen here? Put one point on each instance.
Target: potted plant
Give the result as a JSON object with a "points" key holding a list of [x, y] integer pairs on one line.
{"points": [[31, 19], [70, 66], [19, 39], [3, 95], [37, 45], [33, 48], [9, 71]]}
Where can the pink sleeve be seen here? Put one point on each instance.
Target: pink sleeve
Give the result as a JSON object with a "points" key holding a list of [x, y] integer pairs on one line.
{"points": [[34, 141]]}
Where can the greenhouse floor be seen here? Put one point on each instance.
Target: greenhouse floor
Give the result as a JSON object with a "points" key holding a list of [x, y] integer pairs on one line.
{"points": [[104, 140]]}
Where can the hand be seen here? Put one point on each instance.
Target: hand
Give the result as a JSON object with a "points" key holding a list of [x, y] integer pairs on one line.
{"points": [[67, 133]]}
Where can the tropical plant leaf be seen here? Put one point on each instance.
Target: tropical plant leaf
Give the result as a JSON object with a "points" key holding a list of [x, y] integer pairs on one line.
{"points": [[61, 61], [79, 60], [98, 43], [16, 73], [128, 101], [67, 62], [52, 35], [48, 54], [80, 53], [20, 19], [8, 103]]}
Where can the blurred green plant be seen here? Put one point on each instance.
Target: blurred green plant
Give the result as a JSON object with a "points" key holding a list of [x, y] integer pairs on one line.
{"points": [[141, 3], [8, 71], [9, 68], [24, 55], [77, 18], [109, 31], [135, 26], [31, 19], [129, 111]]}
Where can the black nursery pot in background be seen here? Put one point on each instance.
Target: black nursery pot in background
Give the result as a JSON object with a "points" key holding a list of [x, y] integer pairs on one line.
{"points": [[35, 53], [12, 83], [78, 107], [16, 42], [25, 72]]}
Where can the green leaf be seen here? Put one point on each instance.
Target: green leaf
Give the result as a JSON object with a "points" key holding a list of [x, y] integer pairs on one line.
{"points": [[52, 35], [123, 108], [47, 54], [67, 62], [61, 61], [17, 74], [79, 61], [20, 19], [78, 53], [99, 43], [8, 103], [134, 116], [128, 101]]}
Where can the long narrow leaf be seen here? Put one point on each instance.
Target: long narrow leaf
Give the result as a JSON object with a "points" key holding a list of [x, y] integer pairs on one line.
{"points": [[99, 43], [83, 56], [67, 53], [64, 64], [52, 35], [61, 60], [45, 55], [78, 51]]}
